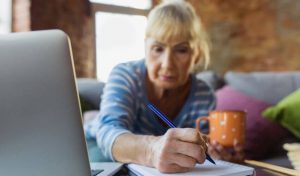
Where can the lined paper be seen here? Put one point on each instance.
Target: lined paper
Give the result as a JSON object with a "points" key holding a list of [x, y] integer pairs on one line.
{"points": [[222, 168]]}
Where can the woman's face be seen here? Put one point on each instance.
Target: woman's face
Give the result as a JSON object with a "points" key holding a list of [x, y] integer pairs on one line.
{"points": [[168, 62]]}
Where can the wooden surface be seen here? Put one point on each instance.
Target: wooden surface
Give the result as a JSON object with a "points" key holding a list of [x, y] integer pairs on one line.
{"points": [[273, 168]]}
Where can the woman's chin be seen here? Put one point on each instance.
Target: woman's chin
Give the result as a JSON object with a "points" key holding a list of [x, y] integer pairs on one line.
{"points": [[168, 85]]}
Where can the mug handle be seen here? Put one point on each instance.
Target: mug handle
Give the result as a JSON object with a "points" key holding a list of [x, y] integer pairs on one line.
{"points": [[198, 120]]}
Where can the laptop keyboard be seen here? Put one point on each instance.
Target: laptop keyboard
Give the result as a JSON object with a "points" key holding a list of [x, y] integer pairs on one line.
{"points": [[96, 172]]}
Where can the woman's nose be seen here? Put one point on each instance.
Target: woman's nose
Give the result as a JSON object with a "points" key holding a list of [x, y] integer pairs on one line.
{"points": [[167, 60]]}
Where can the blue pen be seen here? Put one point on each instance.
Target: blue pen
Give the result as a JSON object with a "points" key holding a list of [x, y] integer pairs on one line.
{"points": [[171, 125]]}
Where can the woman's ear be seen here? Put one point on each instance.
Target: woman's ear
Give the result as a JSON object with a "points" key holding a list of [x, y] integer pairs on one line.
{"points": [[197, 59], [197, 56]]}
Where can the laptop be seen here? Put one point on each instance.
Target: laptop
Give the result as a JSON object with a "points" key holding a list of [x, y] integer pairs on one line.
{"points": [[41, 129]]}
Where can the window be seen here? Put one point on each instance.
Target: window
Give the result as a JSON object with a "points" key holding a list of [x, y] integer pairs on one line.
{"points": [[5, 16], [119, 38], [119, 32]]}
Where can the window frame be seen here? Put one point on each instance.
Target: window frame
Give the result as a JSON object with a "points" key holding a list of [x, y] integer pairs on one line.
{"points": [[100, 7]]}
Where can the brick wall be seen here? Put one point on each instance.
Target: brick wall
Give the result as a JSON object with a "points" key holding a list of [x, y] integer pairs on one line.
{"points": [[73, 17], [256, 35]]}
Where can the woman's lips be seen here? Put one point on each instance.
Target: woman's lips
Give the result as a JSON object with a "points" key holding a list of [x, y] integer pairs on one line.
{"points": [[167, 78]]}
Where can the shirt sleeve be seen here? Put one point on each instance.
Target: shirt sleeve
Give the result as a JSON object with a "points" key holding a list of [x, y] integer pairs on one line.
{"points": [[117, 109], [203, 102], [211, 106]]}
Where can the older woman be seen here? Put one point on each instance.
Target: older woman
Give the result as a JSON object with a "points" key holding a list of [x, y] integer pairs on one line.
{"points": [[126, 131]]}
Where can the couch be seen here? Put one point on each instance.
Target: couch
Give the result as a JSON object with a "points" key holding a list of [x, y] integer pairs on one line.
{"points": [[252, 92]]}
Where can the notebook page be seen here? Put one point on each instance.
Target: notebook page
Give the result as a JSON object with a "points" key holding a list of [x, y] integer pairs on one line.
{"points": [[222, 168]]}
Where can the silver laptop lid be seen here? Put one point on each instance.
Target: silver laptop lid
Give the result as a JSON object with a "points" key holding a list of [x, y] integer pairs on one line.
{"points": [[40, 121]]}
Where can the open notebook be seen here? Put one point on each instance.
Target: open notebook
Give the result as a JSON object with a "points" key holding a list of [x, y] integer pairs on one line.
{"points": [[222, 168]]}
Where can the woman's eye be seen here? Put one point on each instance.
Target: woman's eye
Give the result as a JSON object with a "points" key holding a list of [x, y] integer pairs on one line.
{"points": [[182, 50], [158, 49]]}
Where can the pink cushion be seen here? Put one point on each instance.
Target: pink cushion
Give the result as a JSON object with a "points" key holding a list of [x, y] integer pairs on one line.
{"points": [[262, 135]]}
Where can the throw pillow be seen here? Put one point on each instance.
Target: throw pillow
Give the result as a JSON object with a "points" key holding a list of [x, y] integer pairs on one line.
{"points": [[287, 113], [262, 135]]}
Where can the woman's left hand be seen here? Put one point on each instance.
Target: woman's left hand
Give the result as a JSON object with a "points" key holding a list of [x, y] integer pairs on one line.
{"points": [[217, 151]]}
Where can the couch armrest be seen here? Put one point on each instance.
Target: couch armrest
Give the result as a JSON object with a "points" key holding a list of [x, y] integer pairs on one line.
{"points": [[211, 78], [90, 91]]}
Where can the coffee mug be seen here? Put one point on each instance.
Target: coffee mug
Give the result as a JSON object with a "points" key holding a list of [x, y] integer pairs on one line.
{"points": [[225, 127]]}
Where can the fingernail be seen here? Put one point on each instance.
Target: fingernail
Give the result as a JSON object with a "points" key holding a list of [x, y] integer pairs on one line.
{"points": [[235, 142]]}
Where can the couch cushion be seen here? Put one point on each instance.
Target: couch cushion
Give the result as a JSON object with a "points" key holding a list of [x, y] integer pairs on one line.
{"points": [[211, 78], [268, 86], [90, 91], [287, 113], [263, 136], [94, 152]]}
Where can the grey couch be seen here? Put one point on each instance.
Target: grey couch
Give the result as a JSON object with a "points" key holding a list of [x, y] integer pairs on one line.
{"points": [[268, 86]]}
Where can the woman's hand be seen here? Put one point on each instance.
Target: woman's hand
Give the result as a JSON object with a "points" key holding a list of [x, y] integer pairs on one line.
{"points": [[236, 154], [178, 150]]}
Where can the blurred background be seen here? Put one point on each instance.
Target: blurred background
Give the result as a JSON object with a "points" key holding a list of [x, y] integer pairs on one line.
{"points": [[246, 36]]}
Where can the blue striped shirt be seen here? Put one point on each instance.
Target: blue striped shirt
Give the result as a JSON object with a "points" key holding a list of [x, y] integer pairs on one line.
{"points": [[124, 107]]}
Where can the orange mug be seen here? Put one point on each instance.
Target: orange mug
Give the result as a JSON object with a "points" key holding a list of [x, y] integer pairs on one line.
{"points": [[225, 127]]}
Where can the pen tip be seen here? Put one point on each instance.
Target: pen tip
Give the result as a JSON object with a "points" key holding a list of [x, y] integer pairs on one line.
{"points": [[210, 159]]}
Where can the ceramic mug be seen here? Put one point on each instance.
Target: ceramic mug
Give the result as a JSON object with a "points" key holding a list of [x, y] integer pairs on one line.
{"points": [[225, 127]]}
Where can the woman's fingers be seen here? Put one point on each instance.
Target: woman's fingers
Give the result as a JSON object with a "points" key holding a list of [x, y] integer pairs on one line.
{"points": [[182, 160], [171, 168], [189, 135], [186, 141], [213, 153], [192, 150], [186, 134], [183, 147], [204, 137], [239, 154], [238, 147], [219, 152], [224, 153]]}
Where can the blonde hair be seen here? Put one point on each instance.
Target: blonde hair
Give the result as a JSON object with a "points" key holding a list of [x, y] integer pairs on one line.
{"points": [[176, 18]]}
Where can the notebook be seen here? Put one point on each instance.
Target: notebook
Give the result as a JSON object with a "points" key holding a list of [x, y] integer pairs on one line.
{"points": [[222, 168]]}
